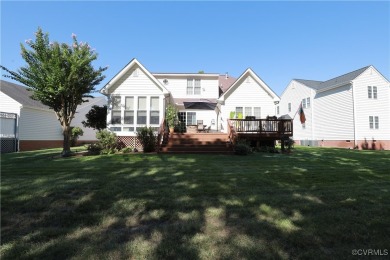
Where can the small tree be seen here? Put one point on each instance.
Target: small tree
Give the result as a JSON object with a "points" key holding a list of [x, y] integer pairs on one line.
{"points": [[108, 141], [96, 118], [147, 138], [76, 133], [60, 76]]}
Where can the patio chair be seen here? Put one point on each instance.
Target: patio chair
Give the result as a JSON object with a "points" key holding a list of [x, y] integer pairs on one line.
{"points": [[200, 125]]}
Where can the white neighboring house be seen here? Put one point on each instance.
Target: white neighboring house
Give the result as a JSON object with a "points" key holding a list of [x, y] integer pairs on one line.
{"points": [[138, 98], [36, 125], [352, 110]]}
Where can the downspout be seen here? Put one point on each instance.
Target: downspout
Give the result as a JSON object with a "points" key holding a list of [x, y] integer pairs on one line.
{"points": [[312, 114], [354, 116]]}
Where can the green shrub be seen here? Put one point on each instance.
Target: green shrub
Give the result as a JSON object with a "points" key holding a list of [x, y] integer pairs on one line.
{"points": [[147, 139], [75, 134], [94, 149], [107, 141], [127, 150], [242, 148]]}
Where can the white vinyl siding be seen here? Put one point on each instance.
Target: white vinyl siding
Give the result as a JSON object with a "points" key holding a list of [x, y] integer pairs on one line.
{"points": [[334, 114], [377, 106], [290, 101], [179, 86], [141, 89], [8, 104], [38, 124], [248, 94]]}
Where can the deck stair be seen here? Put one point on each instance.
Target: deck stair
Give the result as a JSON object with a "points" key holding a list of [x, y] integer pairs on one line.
{"points": [[216, 143]]}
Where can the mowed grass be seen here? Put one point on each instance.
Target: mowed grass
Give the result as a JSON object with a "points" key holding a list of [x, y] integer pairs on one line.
{"points": [[317, 203]]}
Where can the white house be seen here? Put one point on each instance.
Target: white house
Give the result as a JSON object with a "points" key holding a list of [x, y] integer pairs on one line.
{"points": [[138, 98], [27, 124], [352, 110]]}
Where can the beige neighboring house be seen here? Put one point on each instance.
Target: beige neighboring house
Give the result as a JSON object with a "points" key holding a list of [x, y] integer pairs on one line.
{"points": [[32, 125]]}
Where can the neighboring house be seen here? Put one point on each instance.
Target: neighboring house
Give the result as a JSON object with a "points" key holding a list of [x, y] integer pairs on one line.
{"points": [[34, 126], [89, 133], [138, 98], [352, 110]]}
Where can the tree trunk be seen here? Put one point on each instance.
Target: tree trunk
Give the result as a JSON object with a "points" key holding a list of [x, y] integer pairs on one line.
{"points": [[66, 145]]}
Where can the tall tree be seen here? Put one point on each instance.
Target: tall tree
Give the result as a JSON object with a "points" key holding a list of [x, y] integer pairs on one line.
{"points": [[96, 118], [60, 76]]}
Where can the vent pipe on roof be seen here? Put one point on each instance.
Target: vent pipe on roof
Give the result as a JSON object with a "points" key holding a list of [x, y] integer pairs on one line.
{"points": [[226, 75]]}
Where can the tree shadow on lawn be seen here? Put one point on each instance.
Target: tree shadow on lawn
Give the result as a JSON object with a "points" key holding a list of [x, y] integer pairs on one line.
{"points": [[319, 203]]}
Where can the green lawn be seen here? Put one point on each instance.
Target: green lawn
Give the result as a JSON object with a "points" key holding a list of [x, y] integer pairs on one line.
{"points": [[314, 203]]}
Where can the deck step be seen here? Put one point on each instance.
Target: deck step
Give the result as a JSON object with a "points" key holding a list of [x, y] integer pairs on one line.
{"points": [[197, 143]]}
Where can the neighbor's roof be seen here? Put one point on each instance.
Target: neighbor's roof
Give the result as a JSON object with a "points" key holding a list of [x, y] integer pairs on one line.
{"points": [[225, 82], [310, 83], [343, 79], [337, 81], [21, 95]]}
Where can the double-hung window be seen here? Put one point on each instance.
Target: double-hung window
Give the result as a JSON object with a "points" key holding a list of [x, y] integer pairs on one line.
{"points": [[154, 111], [190, 86], [248, 111], [307, 102], [191, 118], [193, 87], [197, 87], [129, 110], [304, 103], [372, 92], [239, 112], [141, 113], [116, 110], [257, 112], [374, 122]]}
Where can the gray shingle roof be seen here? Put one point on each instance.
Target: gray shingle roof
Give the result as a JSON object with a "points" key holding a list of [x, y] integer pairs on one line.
{"points": [[337, 81], [343, 79], [20, 94], [310, 83]]}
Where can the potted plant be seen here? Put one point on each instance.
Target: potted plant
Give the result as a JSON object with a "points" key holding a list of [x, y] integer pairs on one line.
{"points": [[170, 117]]}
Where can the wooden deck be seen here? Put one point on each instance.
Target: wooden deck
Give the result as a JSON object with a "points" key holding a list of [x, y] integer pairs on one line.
{"points": [[260, 129]]}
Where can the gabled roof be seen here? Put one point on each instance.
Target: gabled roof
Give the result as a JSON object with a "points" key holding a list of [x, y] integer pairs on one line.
{"points": [[21, 95], [333, 83], [128, 67], [341, 80], [249, 72], [310, 83]]}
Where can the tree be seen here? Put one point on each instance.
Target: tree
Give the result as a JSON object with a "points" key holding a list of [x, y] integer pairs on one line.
{"points": [[96, 118], [60, 76]]}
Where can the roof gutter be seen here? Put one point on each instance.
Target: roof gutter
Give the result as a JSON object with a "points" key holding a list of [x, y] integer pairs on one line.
{"points": [[334, 86]]}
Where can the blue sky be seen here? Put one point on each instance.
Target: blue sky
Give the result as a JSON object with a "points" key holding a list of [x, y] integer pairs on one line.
{"points": [[278, 40]]}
